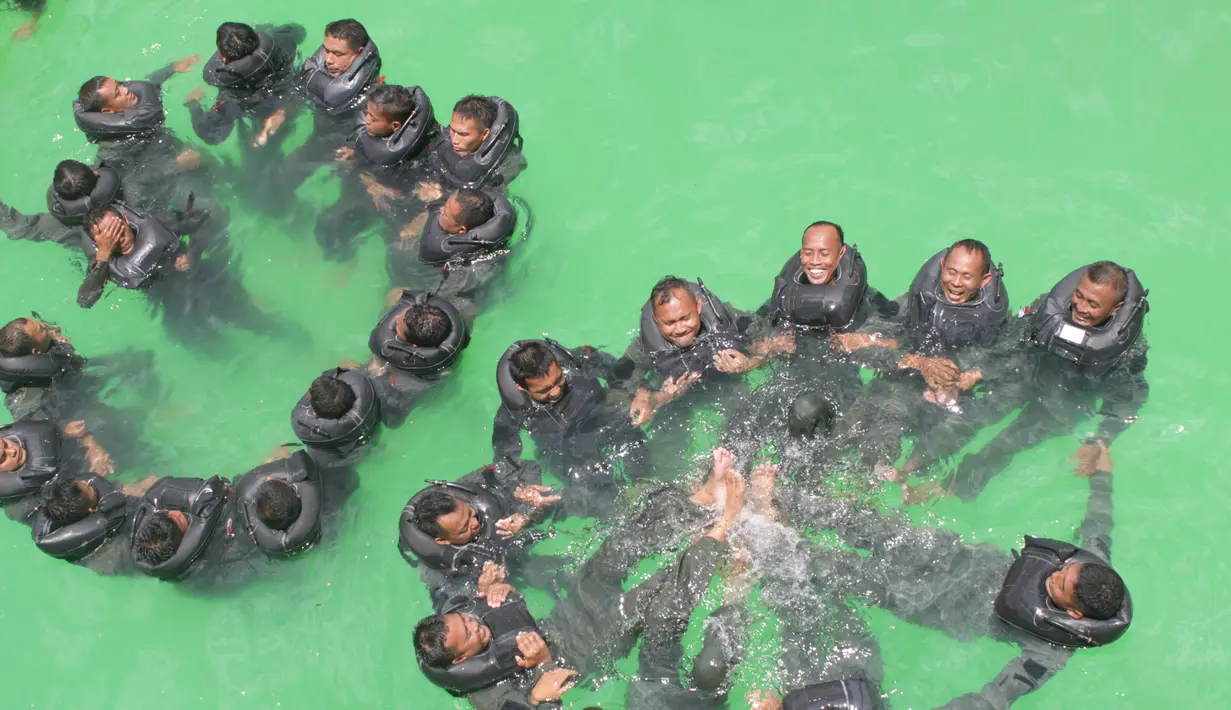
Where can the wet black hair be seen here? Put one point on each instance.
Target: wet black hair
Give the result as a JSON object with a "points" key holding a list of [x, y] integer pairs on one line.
{"points": [[822, 223], [430, 636], [14, 340], [530, 360], [350, 30], [660, 295], [430, 508], [330, 397], [1109, 273], [88, 96], [393, 101], [477, 207], [477, 108], [236, 40], [278, 504], [73, 180], [158, 539], [96, 215], [66, 502], [1099, 591], [975, 246], [426, 326]]}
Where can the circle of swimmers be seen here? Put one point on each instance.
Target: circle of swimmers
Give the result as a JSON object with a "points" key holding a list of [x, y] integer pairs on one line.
{"points": [[950, 357]]}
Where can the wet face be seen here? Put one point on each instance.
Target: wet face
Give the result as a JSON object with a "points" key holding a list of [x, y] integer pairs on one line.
{"points": [[338, 55], [679, 319], [180, 519], [39, 333], [466, 135], [450, 218], [12, 455], [116, 97], [465, 636], [1062, 588], [1094, 304], [90, 494], [961, 275], [378, 123], [549, 388], [458, 527], [821, 251]]}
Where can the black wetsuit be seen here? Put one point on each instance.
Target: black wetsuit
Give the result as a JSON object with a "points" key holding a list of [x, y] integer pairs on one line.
{"points": [[928, 576], [571, 435], [1057, 398]]}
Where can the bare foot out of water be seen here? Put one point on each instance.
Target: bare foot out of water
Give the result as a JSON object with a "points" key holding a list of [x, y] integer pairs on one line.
{"points": [[764, 477], [26, 30], [733, 503], [724, 464]]}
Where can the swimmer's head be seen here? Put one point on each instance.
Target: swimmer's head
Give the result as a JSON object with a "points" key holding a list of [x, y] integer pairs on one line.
{"points": [[426, 326], [12, 454], [73, 180], [444, 639], [466, 209], [446, 519], [536, 372], [471, 123], [70, 501], [160, 536], [1099, 294], [344, 42], [278, 504], [330, 397], [236, 41], [388, 108], [1086, 589], [102, 93], [823, 246], [100, 220], [966, 268], [677, 312], [24, 336]]}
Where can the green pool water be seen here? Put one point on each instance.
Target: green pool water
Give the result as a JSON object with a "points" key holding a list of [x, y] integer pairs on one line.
{"points": [[695, 138]]}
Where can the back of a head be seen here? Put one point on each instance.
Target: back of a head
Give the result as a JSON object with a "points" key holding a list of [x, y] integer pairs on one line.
{"points": [[1100, 591], [664, 291], [66, 503], [429, 509], [157, 540], [479, 109], [394, 101], [532, 359], [832, 225], [331, 398], [477, 207], [236, 41], [14, 340], [88, 96], [1109, 273], [73, 180], [278, 504], [430, 637], [427, 326], [975, 246], [350, 30], [96, 216]]}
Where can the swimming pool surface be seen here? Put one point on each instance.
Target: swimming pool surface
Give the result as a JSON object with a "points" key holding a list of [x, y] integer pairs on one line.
{"points": [[695, 138]]}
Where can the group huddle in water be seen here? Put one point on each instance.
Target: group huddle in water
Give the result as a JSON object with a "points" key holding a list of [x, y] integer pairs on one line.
{"points": [[799, 442]]}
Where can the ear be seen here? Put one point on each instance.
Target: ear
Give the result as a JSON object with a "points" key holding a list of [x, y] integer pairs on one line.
{"points": [[1116, 309], [442, 541], [986, 280], [1075, 614], [523, 389], [396, 125], [459, 660], [486, 132], [842, 252]]}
